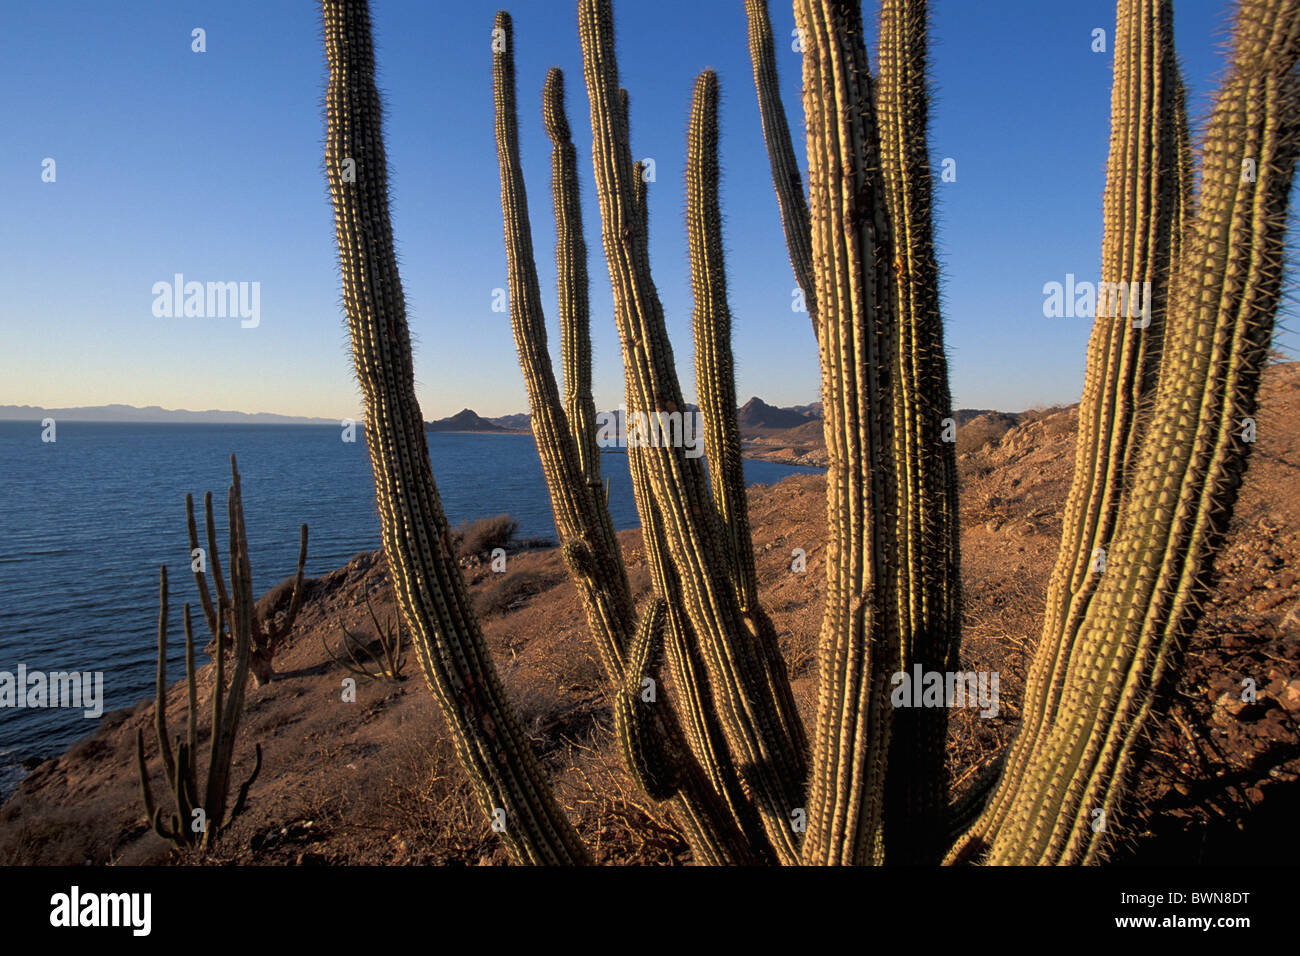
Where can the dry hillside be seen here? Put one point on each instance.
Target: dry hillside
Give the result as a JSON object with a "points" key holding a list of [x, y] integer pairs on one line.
{"points": [[376, 781]]}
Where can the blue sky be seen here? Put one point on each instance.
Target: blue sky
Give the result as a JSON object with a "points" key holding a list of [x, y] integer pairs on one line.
{"points": [[210, 165]]}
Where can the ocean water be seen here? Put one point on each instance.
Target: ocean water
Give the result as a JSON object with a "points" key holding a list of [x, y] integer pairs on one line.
{"points": [[86, 520]]}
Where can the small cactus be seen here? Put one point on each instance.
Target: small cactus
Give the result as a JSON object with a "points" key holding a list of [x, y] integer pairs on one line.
{"points": [[386, 664]]}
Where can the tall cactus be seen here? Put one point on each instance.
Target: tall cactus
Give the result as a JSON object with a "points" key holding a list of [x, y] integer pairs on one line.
{"points": [[753, 702], [1145, 206], [927, 544], [857, 331], [1156, 473], [431, 591], [1110, 681], [266, 633]]}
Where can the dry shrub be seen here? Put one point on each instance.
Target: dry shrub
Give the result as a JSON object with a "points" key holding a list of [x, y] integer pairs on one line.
{"points": [[430, 810], [614, 817], [481, 536]]}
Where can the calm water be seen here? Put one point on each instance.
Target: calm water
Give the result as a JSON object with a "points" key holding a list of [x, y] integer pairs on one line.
{"points": [[86, 520]]}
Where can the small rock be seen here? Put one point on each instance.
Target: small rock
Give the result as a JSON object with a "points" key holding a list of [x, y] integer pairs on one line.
{"points": [[1290, 696], [993, 525], [1271, 601], [1231, 704]]}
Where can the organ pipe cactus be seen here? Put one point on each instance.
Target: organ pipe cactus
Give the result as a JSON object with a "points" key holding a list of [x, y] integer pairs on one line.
{"points": [[925, 493], [1158, 464], [751, 696], [200, 816], [1104, 677], [780, 151]]}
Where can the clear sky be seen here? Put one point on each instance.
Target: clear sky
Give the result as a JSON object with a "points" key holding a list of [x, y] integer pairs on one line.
{"points": [[210, 165]]}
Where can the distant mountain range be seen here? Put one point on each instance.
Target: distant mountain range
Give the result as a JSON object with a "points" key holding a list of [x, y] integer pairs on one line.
{"points": [[152, 414], [755, 417]]}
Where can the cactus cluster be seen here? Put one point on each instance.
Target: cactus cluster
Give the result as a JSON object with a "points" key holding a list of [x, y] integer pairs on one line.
{"points": [[1159, 457], [200, 814], [1112, 647]]}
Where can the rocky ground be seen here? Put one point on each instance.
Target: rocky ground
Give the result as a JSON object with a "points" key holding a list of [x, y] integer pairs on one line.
{"points": [[376, 781]]}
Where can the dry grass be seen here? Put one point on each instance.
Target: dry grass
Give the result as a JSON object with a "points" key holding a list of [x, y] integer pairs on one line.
{"points": [[481, 536]]}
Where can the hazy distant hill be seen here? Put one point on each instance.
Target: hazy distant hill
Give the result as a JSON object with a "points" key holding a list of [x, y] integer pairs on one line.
{"points": [[754, 417], [515, 423], [813, 411], [152, 414], [465, 420]]}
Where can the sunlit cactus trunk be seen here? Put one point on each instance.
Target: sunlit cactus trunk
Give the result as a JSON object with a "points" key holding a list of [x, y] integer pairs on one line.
{"points": [[857, 331], [430, 588], [780, 151], [654, 746], [1145, 207], [927, 546]]}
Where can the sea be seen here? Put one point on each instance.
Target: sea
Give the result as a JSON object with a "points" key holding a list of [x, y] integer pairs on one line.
{"points": [[87, 519]]}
